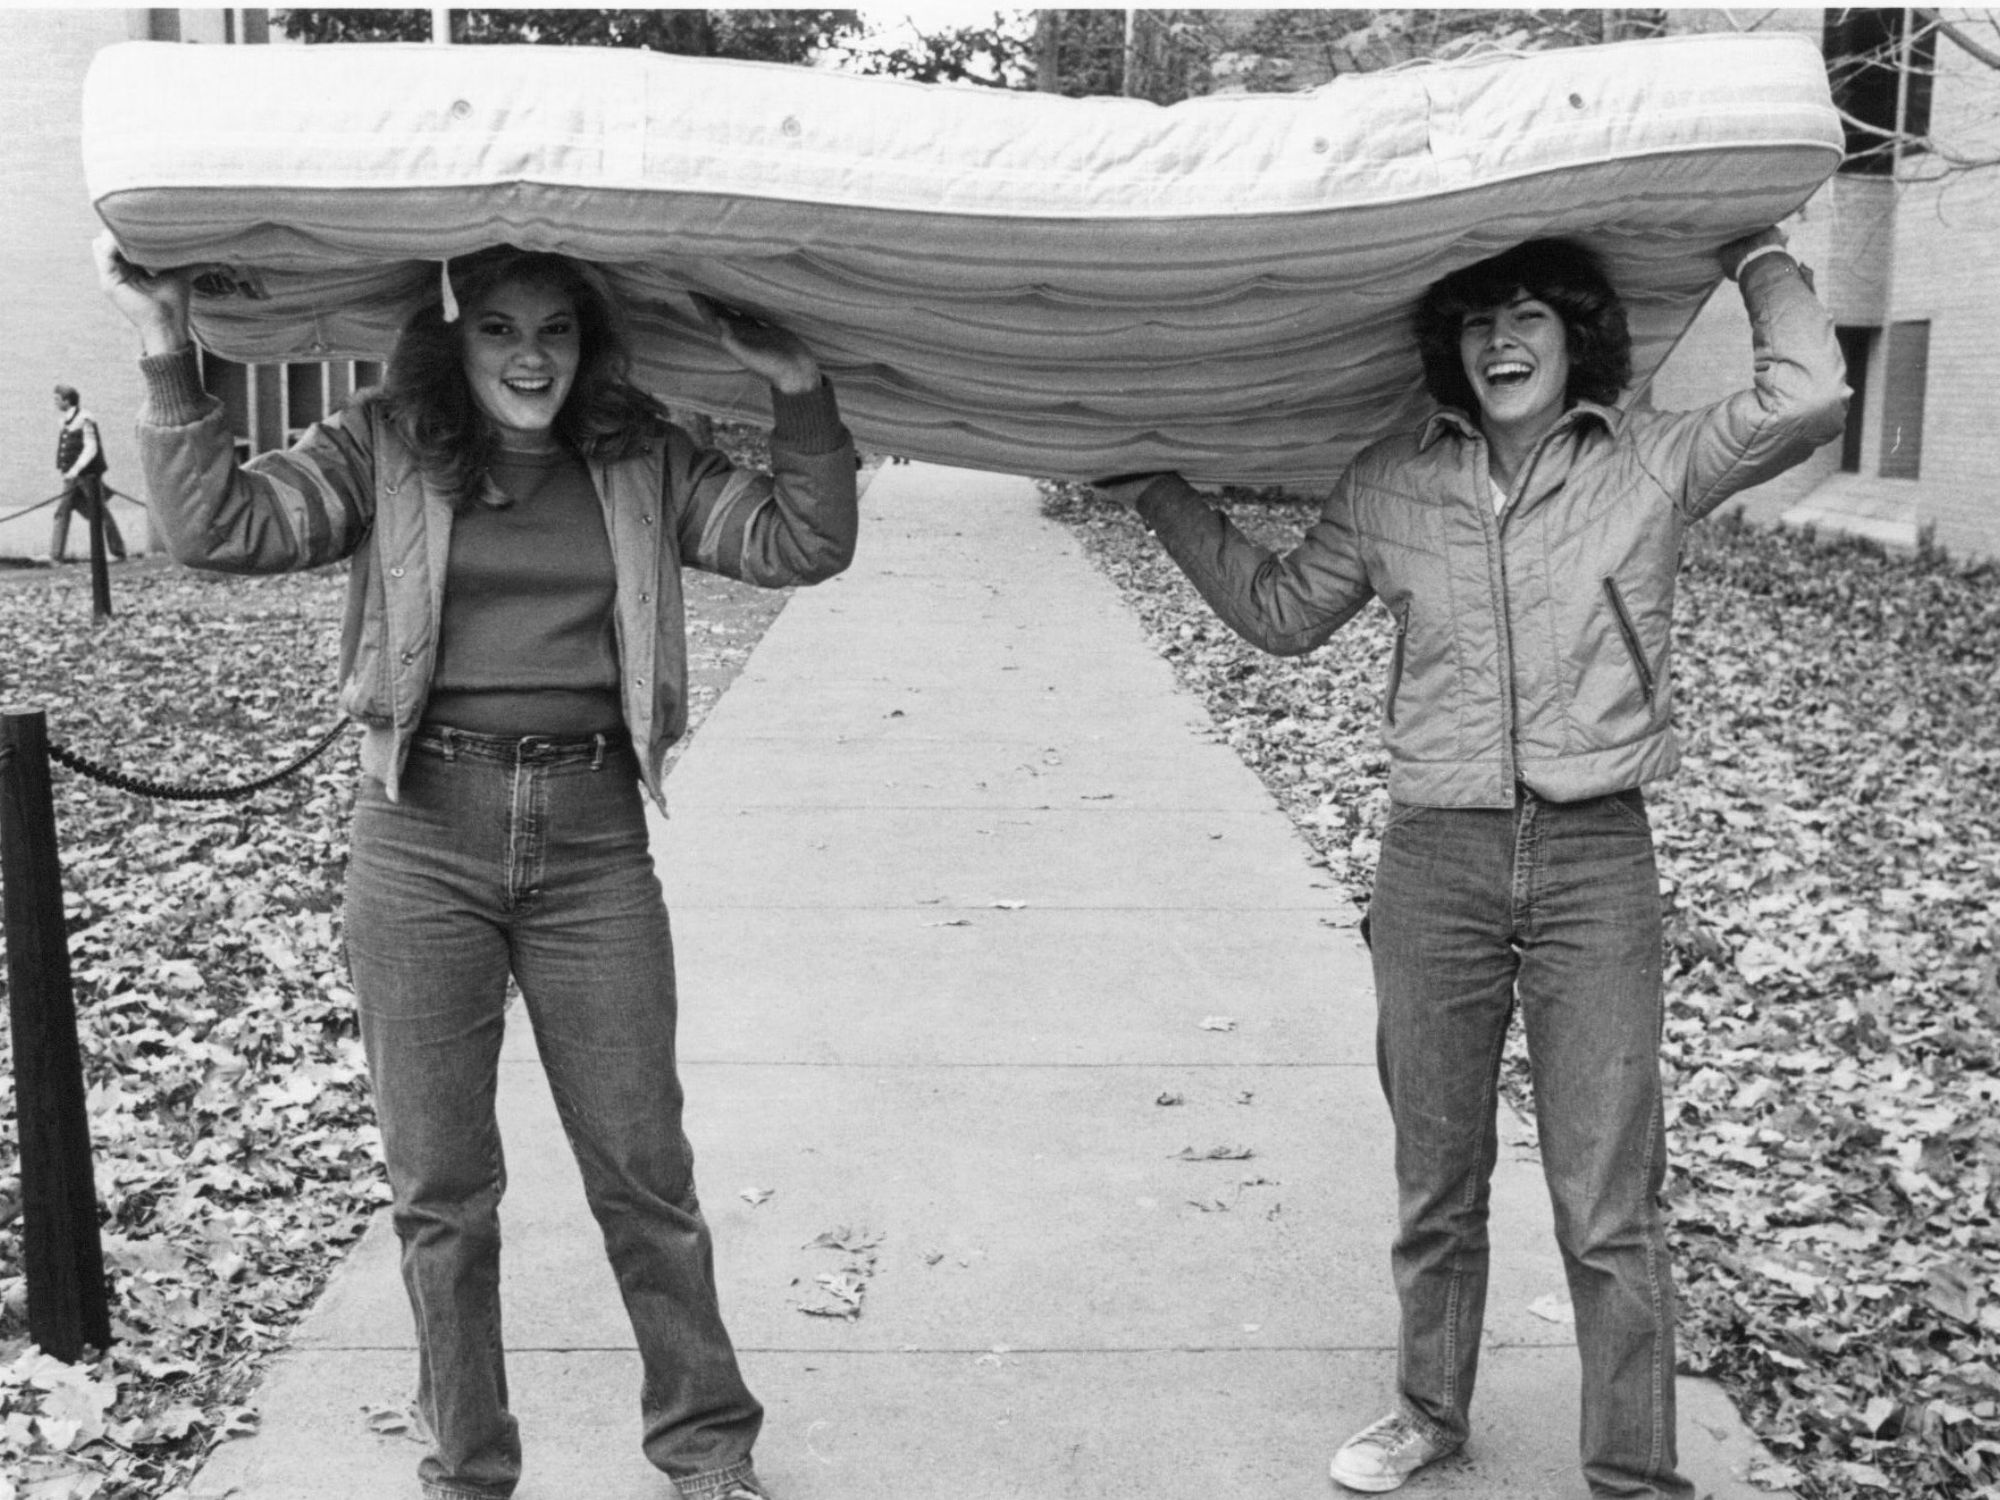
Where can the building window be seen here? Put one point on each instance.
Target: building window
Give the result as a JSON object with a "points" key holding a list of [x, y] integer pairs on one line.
{"points": [[269, 406], [305, 398], [1856, 345], [1866, 51], [1905, 368]]}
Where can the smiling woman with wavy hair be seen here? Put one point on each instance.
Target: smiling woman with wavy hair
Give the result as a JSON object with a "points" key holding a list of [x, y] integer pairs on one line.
{"points": [[515, 515], [426, 395]]}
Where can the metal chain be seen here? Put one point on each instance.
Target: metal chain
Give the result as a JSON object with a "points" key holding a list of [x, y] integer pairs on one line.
{"points": [[181, 792], [109, 493]]}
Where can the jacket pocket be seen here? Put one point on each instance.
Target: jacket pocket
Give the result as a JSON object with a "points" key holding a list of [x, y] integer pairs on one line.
{"points": [[368, 684], [1402, 618], [1630, 632]]}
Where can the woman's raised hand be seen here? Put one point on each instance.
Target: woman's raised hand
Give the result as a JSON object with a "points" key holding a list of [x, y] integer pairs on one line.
{"points": [[764, 349], [156, 303]]}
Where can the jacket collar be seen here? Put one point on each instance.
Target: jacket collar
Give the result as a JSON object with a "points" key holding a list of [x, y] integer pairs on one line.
{"points": [[1451, 419]]}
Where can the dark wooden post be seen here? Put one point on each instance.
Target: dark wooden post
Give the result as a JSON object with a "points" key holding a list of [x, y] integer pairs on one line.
{"points": [[60, 1249], [100, 567]]}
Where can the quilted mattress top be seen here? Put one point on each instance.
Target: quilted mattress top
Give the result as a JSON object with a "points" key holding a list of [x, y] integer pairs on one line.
{"points": [[1011, 281]]}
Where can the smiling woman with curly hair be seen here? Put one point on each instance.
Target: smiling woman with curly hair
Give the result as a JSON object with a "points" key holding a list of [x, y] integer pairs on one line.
{"points": [[1559, 273], [1525, 539]]}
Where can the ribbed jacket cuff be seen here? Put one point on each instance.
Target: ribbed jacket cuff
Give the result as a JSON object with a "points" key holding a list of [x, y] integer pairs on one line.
{"points": [[809, 423], [1776, 266], [1761, 251], [174, 397]]}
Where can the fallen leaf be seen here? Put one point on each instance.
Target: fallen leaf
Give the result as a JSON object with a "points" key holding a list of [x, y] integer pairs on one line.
{"points": [[1767, 1475], [1953, 1292], [389, 1421], [1878, 1413], [1554, 1307]]}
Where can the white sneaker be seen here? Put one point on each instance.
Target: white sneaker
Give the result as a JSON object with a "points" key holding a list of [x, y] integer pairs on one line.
{"points": [[1382, 1455]]}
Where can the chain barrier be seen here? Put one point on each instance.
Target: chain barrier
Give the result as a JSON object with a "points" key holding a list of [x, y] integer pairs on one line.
{"points": [[167, 791], [29, 510]]}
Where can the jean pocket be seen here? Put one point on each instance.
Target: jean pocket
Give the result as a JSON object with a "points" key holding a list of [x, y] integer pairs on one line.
{"points": [[1630, 805], [1402, 814]]}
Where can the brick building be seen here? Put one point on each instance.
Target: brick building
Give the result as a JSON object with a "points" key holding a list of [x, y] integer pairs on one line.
{"points": [[60, 328], [64, 328], [1907, 250]]}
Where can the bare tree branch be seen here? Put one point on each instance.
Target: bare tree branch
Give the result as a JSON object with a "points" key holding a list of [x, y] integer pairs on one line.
{"points": [[1956, 34]]}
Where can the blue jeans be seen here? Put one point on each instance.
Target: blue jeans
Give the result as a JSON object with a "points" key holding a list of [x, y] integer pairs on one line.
{"points": [[529, 857], [84, 496], [1556, 906]]}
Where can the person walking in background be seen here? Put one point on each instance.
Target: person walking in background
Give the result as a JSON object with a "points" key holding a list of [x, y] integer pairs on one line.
{"points": [[80, 463], [517, 515], [1525, 540]]}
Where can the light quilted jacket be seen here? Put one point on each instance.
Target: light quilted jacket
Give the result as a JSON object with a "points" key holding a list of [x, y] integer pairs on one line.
{"points": [[348, 488], [1532, 646]]}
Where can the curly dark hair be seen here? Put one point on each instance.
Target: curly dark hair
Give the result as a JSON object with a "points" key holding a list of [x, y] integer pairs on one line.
{"points": [[428, 400], [1562, 273]]}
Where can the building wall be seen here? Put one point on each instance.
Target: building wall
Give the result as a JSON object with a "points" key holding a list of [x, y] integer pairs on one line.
{"points": [[60, 328], [1923, 248], [1946, 269]]}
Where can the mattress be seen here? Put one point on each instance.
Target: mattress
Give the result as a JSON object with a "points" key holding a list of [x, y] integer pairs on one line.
{"points": [[1010, 281]]}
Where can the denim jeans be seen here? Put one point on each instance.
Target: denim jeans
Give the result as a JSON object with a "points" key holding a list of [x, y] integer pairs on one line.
{"points": [[84, 496], [529, 857], [1555, 906]]}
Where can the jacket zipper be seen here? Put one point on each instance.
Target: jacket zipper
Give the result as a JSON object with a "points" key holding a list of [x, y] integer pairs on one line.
{"points": [[1402, 619], [1631, 634]]}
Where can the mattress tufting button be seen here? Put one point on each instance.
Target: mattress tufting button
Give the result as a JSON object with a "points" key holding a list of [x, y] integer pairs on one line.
{"points": [[1322, 145], [791, 127], [1576, 101], [461, 108]]}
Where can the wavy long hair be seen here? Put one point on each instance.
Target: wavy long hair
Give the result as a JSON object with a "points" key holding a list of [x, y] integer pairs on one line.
{"points": [[1562, 273], [429, 402]]}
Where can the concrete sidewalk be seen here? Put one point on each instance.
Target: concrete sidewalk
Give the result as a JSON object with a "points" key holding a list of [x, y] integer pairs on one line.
{"points": [[960, 880]]}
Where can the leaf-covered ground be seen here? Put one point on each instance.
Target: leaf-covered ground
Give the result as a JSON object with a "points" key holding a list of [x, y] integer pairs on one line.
{"points": [[1830, 854], [236, 1156], [1833, 1042]]}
